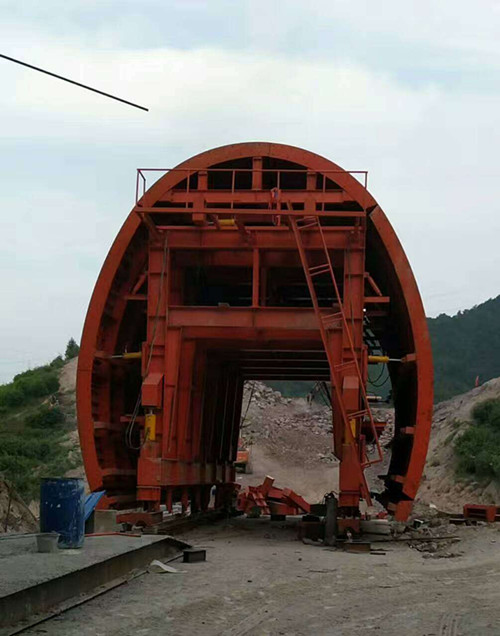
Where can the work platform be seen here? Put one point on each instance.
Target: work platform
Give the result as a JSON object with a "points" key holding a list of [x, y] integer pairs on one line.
{"points": [[34, 586]]}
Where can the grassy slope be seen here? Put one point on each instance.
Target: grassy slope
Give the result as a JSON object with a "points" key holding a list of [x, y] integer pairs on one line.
{"points": [[34, 429]]}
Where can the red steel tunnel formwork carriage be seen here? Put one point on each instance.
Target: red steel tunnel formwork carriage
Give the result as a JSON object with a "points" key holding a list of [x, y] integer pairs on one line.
{"points": [[253, 261]]}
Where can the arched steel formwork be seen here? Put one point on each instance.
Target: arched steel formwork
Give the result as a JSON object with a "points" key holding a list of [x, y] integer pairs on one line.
{"points": [[249, 261]]}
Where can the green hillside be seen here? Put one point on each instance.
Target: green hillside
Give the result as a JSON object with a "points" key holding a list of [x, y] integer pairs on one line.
{"points": [[465, 346], [34, 427]]}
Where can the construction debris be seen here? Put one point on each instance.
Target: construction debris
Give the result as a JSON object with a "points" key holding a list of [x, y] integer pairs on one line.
{"points": [[482, 512], [266, 499], [194, 555], [157, 567]]}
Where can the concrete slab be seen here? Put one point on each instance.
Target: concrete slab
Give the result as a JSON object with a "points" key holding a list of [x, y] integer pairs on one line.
{"points": [[33, 583]]}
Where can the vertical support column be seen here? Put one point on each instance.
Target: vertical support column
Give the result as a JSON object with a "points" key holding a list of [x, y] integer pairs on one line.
{"points": [[257, 173], [148, 465], [354, 283], [202, 180], [311, 180], [353, 302], [238, 401], [223, 423], [335, 346], [255, 277], [230, 408], [173, 342], [183, 420], [199, 379], [209, 412]]}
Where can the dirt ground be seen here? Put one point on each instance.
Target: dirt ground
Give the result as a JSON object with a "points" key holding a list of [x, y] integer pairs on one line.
{"points": [[259, 580]]}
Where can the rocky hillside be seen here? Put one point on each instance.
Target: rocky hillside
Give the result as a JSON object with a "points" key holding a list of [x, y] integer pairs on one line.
{"points": [[441, 486]]}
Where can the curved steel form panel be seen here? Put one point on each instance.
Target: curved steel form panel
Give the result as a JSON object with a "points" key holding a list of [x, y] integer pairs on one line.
{"points": [[249, 261]]}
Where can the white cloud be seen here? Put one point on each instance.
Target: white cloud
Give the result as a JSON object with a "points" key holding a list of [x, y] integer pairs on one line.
{"points": [[431, 152]]}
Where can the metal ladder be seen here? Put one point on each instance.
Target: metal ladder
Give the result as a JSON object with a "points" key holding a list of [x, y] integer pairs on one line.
{"points": [[330, 321]]}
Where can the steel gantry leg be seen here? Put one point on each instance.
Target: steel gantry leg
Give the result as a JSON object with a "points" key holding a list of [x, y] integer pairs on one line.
{"points": [[350, 399]]}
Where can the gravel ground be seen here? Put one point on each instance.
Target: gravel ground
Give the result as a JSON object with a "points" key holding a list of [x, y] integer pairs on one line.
{"points": [[258, 579]]}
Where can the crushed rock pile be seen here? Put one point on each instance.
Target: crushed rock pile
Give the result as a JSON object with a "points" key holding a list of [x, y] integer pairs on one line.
{"points": [[288, 428], [262, 395], [314, 423]]}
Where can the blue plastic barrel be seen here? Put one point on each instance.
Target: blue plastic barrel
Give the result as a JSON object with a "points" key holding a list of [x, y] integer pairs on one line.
{"points": [[62, 510]]}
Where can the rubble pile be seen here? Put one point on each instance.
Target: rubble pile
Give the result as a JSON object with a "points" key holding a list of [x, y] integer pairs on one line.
{"points": [[290, 429], [314, 423], [262, 395], [435, 540], [385, 415], [296, 414], [286, 425]]}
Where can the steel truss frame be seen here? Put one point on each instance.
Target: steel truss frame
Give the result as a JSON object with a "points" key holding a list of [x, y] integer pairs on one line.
{"points": [[191, 362]]}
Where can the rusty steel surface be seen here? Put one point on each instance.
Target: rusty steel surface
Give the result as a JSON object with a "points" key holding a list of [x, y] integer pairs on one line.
{"points": [[249, 261]]}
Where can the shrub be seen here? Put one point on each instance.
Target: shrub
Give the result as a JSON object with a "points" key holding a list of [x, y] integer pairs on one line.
{"points": [[487, 413], [11, 396], [57, 363], [26, 457], [45, 417], [34, 383], [478, 449]]}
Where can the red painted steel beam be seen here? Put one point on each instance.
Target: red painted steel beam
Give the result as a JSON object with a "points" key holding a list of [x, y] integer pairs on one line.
{"points": [[253, 196], [275, 238], [241, 317]]}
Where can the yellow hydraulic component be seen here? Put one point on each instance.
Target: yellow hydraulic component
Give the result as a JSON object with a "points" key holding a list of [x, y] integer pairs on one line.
{"points": [[132, 355], [353, 427], [150, 427], [227, 222], [379, 359]]}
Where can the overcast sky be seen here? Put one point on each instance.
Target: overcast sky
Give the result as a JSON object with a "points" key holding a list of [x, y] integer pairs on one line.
{"points": [[409, 91]]}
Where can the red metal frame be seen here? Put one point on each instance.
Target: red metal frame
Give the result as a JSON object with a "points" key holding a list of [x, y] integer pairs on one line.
{"points": [[270, 500], [166, 428]]}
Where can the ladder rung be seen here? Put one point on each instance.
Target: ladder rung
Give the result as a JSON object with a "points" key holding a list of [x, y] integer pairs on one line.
{"points": [[357, 414], [331, 319], [320, 272], [345, 365], [314, 268], [307, 221], [317, 270]]}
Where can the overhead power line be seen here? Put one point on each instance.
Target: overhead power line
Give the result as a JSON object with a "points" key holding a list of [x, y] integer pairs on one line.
{"points": [[70, 81]]}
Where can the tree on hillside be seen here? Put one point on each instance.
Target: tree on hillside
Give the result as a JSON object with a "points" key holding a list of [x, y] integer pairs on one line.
{"points": [[72, 349], [464, 347]]}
